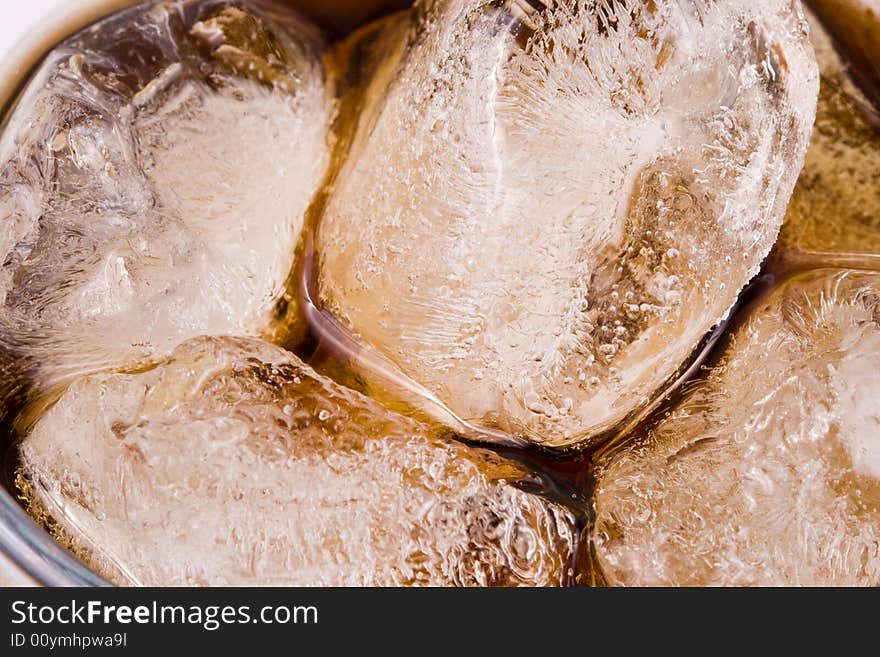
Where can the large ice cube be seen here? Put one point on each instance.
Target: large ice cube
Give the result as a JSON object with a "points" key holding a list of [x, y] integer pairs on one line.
{"points": [[545, 210], [153, 182], [234, 463], [835, 208], [767, 473]]}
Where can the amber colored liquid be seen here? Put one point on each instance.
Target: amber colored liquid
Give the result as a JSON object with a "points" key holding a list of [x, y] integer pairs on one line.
{"points": [[822, 239]]}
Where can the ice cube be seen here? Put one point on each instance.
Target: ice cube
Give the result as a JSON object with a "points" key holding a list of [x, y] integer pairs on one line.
{"points": [[768, 472], [154, 178], [233, 463], [544, 210], [835, 208]]}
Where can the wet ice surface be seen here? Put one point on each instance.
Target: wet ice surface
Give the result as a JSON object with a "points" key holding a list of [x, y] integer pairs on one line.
{"points": [[544, 212], [768, 473], [234, 463], [836, 204], [153, 182]]}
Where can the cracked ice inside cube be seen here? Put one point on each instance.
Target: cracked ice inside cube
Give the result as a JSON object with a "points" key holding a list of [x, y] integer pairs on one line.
{"points": [[545, 210], [233, 463], [768, 472], [154, 177]]}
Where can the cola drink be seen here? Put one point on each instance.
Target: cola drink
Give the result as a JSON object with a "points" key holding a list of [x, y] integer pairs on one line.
{"points": [[443, 294]]}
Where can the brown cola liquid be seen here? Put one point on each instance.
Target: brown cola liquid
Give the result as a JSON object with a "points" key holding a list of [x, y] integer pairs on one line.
{"points": [[830, 222]]}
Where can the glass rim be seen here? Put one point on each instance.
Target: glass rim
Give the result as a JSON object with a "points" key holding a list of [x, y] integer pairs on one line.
{"points": [[36, 553]]}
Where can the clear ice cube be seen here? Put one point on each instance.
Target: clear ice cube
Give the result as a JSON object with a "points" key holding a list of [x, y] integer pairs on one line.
{"points": [[544, 210], [835, 208], [768, 472], [233, 463], [154, 178]]}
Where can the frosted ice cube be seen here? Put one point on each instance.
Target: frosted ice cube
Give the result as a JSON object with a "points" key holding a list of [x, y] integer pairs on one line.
{"points": [[544, 211], [234, 463], [153, 182], [836, 204], [767, 473]]}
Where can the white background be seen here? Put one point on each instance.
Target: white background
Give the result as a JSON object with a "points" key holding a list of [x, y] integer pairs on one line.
{"points": [[18, 17]]}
